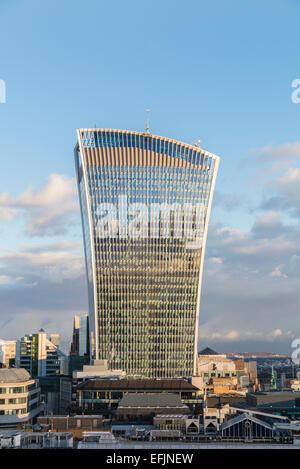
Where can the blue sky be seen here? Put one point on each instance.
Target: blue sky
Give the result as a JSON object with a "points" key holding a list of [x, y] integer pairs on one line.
{"points": [[216, 71]]}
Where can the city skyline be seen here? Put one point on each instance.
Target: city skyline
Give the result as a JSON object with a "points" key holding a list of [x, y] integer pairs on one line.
{"points": [[237, 101]]}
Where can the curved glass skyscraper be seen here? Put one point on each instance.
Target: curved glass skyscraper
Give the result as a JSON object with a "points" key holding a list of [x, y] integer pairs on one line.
{"points": [[145, 205]]}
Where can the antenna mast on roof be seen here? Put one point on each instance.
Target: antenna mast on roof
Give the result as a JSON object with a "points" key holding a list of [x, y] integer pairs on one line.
{"points": [[147, 126]]}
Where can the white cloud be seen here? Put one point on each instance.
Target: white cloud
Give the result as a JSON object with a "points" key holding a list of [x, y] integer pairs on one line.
{"points": [[280, 152], [48, 210], [216, 260], [278, 273], [55, 262], [224, 334]]}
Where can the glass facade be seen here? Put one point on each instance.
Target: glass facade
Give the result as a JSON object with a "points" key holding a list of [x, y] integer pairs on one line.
{"points": [[145, 204], [83, 335]]}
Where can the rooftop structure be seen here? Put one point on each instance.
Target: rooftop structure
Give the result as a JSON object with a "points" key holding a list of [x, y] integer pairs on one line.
{"points": [[139, 384], [98, 369], [13, 375], [149, 400], [137, 405], [208, 351], [104, 395], [246, 427]]}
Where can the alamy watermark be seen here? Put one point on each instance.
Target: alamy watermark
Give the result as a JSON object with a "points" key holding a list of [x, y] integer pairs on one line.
{"points": [[2, 92], [139, 221], [295, 96], [296, 353]]}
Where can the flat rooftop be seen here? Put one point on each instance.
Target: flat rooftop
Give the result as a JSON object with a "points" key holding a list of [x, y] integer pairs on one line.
{"points": [[138, 384], [151, 400]]}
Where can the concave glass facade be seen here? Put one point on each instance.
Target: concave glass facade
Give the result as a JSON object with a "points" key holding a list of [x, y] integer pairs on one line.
{"points": [[145, 205]]}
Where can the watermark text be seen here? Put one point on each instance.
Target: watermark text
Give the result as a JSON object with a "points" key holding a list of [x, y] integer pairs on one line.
{"points": [[138, 220], [2, 92], [295, 96]]}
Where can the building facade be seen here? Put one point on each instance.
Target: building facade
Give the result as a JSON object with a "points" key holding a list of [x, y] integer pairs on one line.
{"points": [[104, 395], [38, 355], [56, 394], [19, 397], [74, 345], [55, 339], [7, 352], [145, 205], [84, 342], [80, 345]]}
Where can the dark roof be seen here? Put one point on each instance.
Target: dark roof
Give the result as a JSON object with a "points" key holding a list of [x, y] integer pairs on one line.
{"points": [[138, 384], [208, 351], [151, 400], [222, 399]]}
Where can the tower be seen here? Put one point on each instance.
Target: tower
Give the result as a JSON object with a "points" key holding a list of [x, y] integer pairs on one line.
{"points": [[145, 205]]}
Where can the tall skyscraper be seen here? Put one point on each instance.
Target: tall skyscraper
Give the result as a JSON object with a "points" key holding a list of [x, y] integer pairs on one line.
{"points": [[84, 342], [74, 346], [80, 344], [145, 205]]}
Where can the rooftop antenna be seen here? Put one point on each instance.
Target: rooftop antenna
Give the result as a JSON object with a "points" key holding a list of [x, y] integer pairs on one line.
{"points": [[147, 126]]}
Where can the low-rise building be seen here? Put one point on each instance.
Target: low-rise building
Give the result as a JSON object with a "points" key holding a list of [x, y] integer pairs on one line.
{"points": [[295, 384], [280, 403], [104, 395], [246, 427], [56, 393], [19, 397], [165, 435], [43, 440], [187, 425], [96, 440], [169, 422], [211, 364], [70, 422], [273, 399], [97, 369], [220, 374], [213, 417]]}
